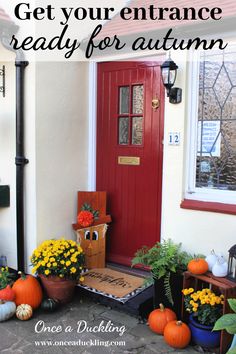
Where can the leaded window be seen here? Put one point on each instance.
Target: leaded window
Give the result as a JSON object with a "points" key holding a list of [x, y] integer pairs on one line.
{"points": [[130, 115], [216, 128]]}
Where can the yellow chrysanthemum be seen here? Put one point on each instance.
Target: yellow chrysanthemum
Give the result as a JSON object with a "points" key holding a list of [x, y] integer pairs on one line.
{"points": [[73, 270], [47, 271]]}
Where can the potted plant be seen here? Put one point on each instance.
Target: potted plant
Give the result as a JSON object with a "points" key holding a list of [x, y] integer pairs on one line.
{"points": [[167, 262], [59, 264], [6, 280], [228, 322], [205, 308]]}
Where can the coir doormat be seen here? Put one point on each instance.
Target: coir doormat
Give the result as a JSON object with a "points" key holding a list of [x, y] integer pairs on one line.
{"points": [[111, 283]]}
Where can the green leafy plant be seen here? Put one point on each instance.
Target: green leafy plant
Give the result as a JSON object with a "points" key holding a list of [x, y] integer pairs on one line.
{"points": [[228, 322], [6, 278], [163, 258]]}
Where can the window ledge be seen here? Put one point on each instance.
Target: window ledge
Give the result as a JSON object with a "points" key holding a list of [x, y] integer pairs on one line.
{"points": [[209, 206]]}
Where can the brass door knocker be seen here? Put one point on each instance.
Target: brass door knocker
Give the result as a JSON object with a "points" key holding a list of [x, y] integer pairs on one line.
{"points": [[155, 104]]}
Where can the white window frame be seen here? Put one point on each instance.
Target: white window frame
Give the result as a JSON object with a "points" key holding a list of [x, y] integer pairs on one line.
{"points": [[191, 191]]}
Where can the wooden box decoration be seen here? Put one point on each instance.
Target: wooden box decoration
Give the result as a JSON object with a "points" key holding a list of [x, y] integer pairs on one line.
{"points": [[222, 285], [93, 238], [93, 242]]}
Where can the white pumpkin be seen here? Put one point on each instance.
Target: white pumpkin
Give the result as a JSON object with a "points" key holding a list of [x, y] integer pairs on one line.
{"points": [[220, 268], [7, 310], [211, 260]]}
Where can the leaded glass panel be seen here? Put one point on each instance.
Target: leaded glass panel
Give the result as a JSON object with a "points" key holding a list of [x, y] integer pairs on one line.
{"points": [[123, 131], [137, 106], [137, 130], [216, 153], [124, 100]]}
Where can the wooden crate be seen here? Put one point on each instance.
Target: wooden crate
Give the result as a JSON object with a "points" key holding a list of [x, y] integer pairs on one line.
{"points": [[220, 285]]}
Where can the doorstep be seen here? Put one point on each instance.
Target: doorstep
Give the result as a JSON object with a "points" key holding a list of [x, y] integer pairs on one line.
{"points": [[140, 305]]}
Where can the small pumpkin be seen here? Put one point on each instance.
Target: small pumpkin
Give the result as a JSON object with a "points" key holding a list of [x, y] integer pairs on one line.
{"points": [[24, 312], [159, 318], [27, 291], [7, 310], [198, 266], [7, 294], [211, 260], [177, 334], [220, 268], [49, 305]]}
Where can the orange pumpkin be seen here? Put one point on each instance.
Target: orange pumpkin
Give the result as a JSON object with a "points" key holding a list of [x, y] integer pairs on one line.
{"points": [[28, 291], [198, 266], [159, 318], [7, 294], [177, 334]]}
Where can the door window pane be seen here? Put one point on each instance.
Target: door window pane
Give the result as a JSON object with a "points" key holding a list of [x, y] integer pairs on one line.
{"points": [[123, 131], [216, 154], [124, 100], [137, 130], [137, 103]]}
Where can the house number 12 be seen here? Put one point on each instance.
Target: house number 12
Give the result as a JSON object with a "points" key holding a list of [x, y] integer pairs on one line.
{"points": [[174, 138]]}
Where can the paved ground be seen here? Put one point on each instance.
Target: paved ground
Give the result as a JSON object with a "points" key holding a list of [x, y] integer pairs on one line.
{"points": [[21, 337]]}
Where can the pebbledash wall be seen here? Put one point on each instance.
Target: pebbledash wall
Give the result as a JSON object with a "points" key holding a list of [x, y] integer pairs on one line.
{"points": [[57, 121]]}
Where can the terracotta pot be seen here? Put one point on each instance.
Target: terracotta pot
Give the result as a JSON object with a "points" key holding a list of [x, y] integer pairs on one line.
{"points": [[58, 289]]}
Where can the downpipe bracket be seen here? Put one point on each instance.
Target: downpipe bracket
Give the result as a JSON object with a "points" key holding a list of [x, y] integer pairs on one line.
{"points": [[21, 63], [21, 161]]}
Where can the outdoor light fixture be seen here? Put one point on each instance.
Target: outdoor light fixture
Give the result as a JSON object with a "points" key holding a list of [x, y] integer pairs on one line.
{"points": [[232, 263], [169, 73], [2, 85]]}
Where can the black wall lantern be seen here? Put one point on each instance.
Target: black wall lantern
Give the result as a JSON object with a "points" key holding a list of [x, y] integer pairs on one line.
{"points": [[169, 73], [232, 263]]}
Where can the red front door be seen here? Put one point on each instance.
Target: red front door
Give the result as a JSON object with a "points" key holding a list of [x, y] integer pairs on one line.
{"points": [[129, 153]]}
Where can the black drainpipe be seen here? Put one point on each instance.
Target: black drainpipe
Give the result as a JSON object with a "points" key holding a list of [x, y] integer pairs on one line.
{"points": [[20, 159]]}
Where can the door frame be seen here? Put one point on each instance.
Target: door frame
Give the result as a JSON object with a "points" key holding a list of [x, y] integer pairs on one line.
{"points": [[92, 123], [92, 126]]}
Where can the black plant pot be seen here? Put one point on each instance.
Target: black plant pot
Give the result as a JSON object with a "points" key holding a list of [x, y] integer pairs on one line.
{"points": [[176, 284]]}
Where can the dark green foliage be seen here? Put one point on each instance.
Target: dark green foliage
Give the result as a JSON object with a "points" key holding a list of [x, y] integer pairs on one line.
{"points": [[6, 278], [88, 207], [163, 258]]}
